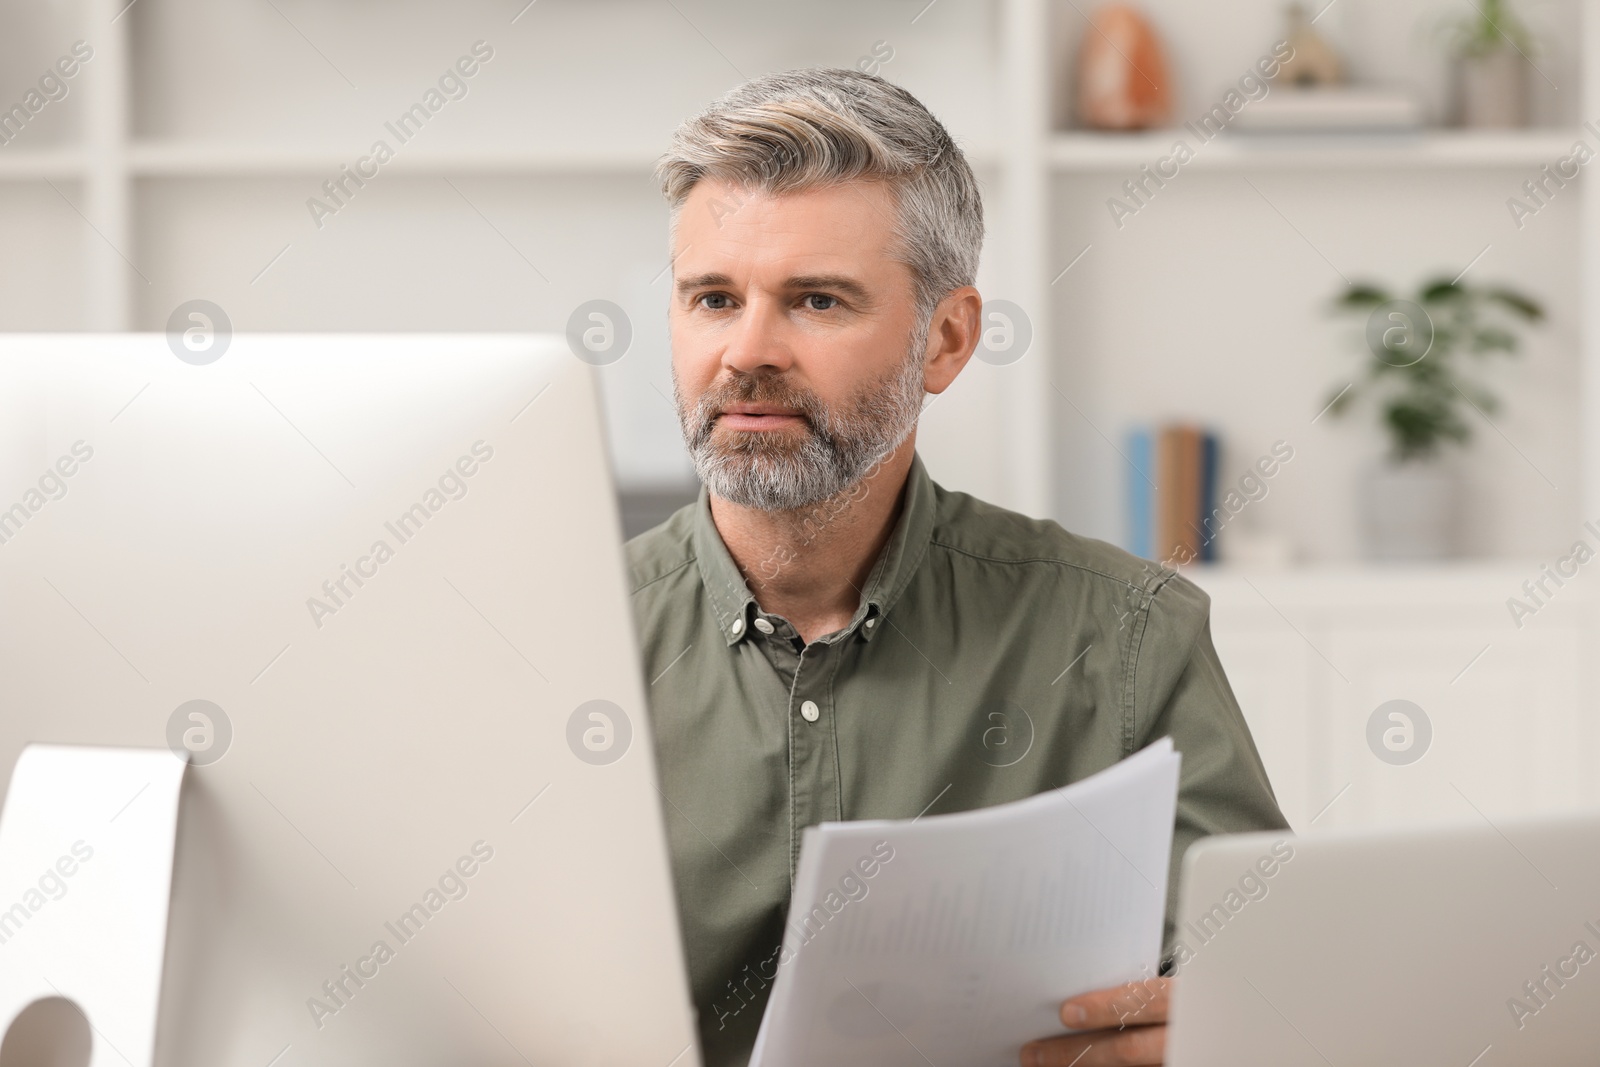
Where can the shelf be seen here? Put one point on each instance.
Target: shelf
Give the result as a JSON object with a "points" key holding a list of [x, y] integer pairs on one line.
{"points": [[38, 164], [221, 160], [1090, 152], [211, 159]]}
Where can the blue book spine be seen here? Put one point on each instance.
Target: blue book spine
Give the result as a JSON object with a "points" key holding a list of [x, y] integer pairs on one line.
{"points": [[1208, 497], [1141, 493]]}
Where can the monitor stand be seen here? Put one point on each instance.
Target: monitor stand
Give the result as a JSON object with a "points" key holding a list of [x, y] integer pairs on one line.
{"points": [[87, 838]]}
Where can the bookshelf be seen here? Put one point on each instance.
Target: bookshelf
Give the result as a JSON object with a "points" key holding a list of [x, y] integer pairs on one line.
{"points": [[178, 168], [1242, 251]]}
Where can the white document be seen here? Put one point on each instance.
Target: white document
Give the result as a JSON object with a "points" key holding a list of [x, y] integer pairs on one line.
{"points": [[953, 939]]}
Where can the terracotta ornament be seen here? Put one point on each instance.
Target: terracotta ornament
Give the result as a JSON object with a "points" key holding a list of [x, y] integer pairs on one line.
{"points": [[1122, 81]]}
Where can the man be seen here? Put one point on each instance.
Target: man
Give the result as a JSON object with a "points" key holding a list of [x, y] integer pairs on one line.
{"points": [[827, 633]]}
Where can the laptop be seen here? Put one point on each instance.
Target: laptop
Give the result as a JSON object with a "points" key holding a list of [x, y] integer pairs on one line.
{"points": [[372, 587], [1474, 945]]}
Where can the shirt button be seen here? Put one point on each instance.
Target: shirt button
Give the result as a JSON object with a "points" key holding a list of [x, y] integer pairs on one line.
{"points": [[810, 711], [737, 627], [763, 625]]}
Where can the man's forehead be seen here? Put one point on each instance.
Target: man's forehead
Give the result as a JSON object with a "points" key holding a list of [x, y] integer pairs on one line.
{"points": [[727, 233], [830, 219]]}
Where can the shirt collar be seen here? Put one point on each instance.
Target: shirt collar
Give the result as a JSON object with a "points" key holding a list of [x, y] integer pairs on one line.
{"points": [[735, 605]]}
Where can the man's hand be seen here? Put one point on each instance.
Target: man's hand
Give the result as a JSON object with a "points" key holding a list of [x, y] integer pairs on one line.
{"points": [[1117, 1027]]}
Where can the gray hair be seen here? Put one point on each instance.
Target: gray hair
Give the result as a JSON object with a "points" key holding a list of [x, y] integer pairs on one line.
{"points": [[802, 129]]}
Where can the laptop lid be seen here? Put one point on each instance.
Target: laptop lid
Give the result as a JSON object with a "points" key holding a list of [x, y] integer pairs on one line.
{"points": [[1471, 944]]}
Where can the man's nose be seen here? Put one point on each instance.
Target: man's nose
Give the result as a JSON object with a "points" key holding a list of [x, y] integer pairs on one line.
{"points": [[756, 341]]}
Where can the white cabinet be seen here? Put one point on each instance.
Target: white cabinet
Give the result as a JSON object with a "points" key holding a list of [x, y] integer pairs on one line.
{"points": [[1509, 711]]}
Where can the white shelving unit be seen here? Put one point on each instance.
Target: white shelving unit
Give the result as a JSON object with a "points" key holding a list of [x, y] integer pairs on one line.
{"points": [[1246, 246], [184, 180]]}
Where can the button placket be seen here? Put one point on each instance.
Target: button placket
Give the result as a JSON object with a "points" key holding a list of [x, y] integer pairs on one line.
{"points": [[813, 775]]}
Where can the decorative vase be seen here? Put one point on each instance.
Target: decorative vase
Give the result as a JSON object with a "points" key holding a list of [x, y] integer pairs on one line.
{"points": [[1312, 61], [1122, 78], [1409, 511], [1492, 89]]}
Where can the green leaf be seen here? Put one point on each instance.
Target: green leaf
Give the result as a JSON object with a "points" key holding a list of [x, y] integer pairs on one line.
{"points": [[1414, 428], [1361, 296], [1440, 290], [1525, 306]]}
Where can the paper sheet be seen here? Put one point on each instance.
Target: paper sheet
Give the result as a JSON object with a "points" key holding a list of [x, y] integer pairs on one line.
{"points": [[952, 939]]}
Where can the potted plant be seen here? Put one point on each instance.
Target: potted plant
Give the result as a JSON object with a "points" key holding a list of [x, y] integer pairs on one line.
{"points": [[1492, 49], [1425, 402]]}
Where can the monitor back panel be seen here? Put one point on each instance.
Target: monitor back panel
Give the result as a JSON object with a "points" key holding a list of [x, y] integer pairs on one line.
{"points": [[423, 827]]}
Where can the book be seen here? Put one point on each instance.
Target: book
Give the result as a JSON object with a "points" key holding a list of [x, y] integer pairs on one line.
{"points": [[1141, 492], [1186, 535], [1169, 487], [1171, 493]]}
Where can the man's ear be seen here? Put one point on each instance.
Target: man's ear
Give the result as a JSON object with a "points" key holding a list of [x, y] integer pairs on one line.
{"points": [[952, 337]]}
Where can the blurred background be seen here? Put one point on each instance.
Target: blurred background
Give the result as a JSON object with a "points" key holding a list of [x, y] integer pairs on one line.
{"points": [[1329, 357]]}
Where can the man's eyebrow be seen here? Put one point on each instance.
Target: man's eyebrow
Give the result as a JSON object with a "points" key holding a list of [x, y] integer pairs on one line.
{"points": [[701, 281], [836, 282]]}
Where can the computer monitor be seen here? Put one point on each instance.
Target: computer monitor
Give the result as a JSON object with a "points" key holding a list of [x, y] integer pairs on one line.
{"points": [[374, 586]]}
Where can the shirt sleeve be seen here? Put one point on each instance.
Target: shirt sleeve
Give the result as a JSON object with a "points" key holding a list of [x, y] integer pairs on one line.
{"points": [[1180, 690]]}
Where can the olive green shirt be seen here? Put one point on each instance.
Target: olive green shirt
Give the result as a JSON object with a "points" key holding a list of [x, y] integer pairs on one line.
{"points": [[992, 657]]}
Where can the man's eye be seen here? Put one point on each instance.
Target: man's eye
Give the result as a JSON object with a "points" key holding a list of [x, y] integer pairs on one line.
{"points": [[829, 301], [714, 301]]}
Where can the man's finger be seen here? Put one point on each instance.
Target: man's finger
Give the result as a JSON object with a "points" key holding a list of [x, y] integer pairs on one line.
{"points": [[1134, 1004], [1144, 1045]]}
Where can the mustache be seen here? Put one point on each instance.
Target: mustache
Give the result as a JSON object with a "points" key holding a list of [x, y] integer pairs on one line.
{"points": [[741, 388]]}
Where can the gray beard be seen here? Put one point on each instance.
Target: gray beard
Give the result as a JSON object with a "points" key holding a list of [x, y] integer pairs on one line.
{"points": [[768, 472]]}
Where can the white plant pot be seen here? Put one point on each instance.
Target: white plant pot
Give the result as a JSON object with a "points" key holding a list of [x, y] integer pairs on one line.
{"points": [[1493, 90], [1409, 511]]}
